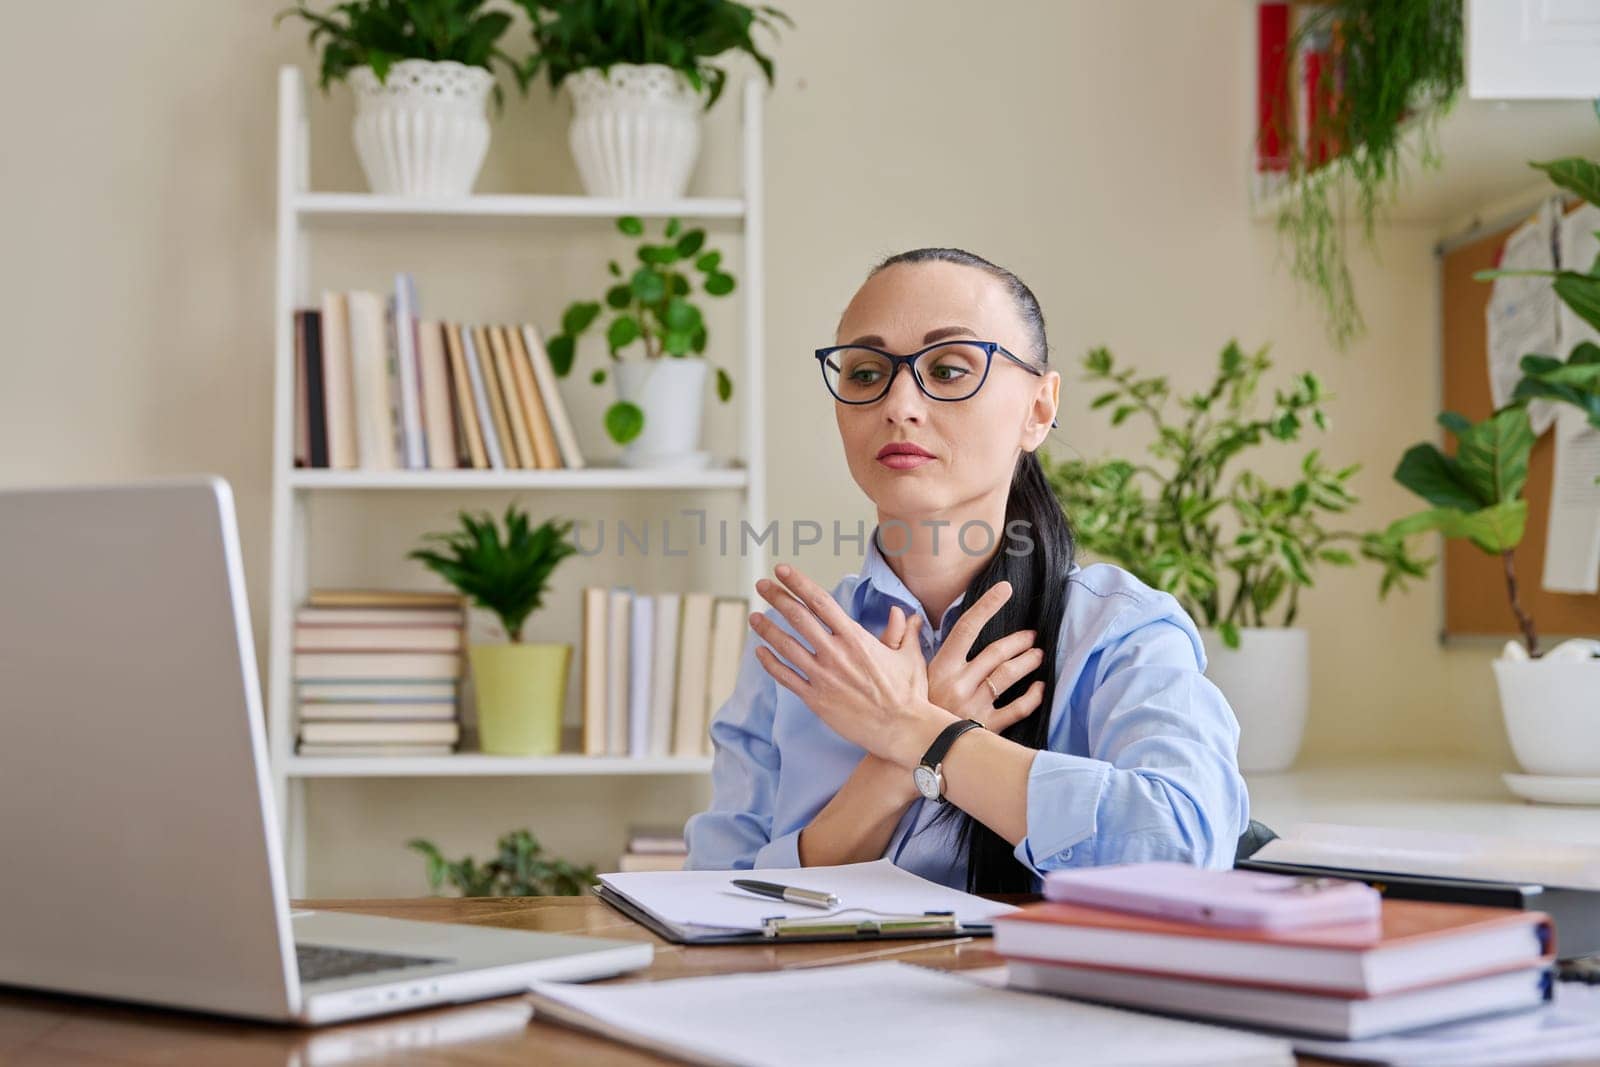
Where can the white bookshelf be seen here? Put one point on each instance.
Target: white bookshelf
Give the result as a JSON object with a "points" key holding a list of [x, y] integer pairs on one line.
{"points": [[294, 490]]}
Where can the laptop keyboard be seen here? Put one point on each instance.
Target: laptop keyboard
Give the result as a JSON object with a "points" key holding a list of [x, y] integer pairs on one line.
{"points": [[318, 962]]}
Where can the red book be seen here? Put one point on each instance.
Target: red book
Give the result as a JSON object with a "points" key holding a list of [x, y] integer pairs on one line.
{"points": [[1273, 112], [1415, 943]]}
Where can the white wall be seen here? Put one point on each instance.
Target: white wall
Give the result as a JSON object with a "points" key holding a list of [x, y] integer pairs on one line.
{"points": [[1098, 149]]}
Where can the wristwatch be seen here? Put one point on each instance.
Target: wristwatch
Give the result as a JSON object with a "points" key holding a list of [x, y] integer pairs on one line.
{"points": [[929, 774]]}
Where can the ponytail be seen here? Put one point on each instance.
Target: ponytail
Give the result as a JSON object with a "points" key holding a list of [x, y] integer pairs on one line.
{"points": [[1034, 555]]}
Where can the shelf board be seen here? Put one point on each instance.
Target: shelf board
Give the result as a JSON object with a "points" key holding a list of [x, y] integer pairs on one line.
{"points": [[583, 478], [355, 207], [477, 765]]}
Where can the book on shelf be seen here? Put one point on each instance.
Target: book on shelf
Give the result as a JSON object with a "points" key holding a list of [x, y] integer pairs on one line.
{"points": [[380, 733], [379, 387], [653, 848], [378, 669], [694, 657], [375, 751], [655, 668], [618, 630], [338, 383]]}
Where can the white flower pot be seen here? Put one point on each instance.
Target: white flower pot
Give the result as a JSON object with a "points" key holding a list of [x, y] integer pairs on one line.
{"points": [[671, 392], [422, 132], [1267, 681], [635, 131], [1552, 713]]}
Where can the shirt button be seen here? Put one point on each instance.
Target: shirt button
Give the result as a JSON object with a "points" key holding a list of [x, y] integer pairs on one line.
{"points": [[1066, 854]]}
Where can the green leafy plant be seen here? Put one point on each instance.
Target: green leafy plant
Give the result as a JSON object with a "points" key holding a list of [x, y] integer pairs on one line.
{"points": [[507, 576], [649, 305], [1398, 70], [572, 35], [379, 33], [1477, 493], [1187, 525], [519, 869]]}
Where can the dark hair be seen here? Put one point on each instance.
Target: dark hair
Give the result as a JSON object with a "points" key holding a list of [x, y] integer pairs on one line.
{"points": [[1038, 590]]}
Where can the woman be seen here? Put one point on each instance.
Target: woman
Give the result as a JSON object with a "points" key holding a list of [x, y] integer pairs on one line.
{"points": [[1064, 708]]}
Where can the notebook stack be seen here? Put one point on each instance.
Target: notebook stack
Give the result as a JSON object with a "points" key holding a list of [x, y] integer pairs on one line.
{"points": [[654, 849], [1420, 964], [656, 668], [377, 672]]}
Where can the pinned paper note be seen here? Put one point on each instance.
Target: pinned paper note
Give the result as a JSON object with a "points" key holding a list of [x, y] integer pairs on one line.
{"points": [[1572, 542], [1521, 318]]}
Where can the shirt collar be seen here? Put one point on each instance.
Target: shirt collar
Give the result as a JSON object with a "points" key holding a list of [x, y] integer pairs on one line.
{"points": [[877, 578]]}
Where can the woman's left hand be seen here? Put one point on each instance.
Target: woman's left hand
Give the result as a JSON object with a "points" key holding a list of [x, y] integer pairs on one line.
{"points": [[869, 693]]}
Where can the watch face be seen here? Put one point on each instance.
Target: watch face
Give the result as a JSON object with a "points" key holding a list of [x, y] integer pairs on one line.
{"points": [[927, 780]]}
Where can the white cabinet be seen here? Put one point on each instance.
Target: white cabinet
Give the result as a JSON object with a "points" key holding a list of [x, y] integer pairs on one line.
{"points": [[1533, 49]]}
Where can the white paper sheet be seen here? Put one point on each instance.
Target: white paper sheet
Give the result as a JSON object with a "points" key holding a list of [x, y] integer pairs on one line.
{"points": [[708, 898], [1497, 859], [1576, 249], [1565, 1031], [884, 1014], [1572, 541], [1521, 318]]}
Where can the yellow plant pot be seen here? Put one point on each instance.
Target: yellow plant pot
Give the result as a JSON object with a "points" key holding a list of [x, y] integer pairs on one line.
{"points": [[521, 692]]}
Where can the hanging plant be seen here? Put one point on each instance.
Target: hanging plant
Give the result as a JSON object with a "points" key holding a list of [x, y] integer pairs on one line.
{"points": [[1393, 68]]}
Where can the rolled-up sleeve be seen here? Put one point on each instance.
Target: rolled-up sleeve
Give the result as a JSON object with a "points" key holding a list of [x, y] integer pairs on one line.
{"points": [[736, 831], [1160, 780]]}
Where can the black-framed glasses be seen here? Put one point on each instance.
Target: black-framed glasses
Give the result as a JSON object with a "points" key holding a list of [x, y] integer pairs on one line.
{"points": [[947, 370]]}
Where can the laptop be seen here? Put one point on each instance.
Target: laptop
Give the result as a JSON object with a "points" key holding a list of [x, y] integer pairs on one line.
{"points": [[139, 850]]}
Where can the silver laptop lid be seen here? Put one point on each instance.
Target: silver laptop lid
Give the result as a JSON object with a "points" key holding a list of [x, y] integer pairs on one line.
{"points": [[139, 850]]}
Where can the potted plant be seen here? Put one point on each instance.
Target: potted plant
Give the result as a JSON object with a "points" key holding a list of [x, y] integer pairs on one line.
{"points": [[521, 686], [1550, 702], [519, 869], [1387, 71], [659, 407], [420, 71], [639, 73], [1233, 548]]}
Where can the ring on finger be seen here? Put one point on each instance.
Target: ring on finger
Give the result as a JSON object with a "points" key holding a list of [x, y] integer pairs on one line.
{"points": [[994, 693]]}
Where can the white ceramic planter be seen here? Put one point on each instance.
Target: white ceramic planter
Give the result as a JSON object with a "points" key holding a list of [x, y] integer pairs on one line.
{"points": [[1267, 680], [1552, 713], [422, 132], [671, 392], [635, 131]]}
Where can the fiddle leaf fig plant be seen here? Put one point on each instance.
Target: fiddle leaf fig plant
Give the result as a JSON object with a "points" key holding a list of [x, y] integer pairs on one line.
{"points": [[506, 575], [379, 33], [1477, 493], [651, 306], [520, 868], [1235, 548]]}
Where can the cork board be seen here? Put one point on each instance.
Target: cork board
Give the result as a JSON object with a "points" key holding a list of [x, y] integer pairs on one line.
{"points": [[1474, 583]]}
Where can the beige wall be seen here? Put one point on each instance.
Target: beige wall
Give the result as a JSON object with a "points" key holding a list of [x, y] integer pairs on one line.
{"points": [[1099, 149]]}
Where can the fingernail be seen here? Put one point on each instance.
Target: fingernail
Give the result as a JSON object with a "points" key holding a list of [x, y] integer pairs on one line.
{"points": [[784, 570]]}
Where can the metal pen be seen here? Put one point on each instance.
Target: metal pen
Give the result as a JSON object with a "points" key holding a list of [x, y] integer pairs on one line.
{"points": [[810, 897]]}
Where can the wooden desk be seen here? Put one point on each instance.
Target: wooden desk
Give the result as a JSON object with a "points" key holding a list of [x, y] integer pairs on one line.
{"points": [[38, 1030]]}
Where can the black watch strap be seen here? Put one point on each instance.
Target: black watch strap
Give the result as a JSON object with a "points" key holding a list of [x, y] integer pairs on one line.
{"points": [[947, 737]]}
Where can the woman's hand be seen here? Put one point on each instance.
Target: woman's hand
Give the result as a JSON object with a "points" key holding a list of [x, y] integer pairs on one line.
{"points": [[968, 689], [869, 693]]}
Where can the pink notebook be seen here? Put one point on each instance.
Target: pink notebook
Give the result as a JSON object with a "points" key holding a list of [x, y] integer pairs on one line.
{"points": [[1248, 900]]}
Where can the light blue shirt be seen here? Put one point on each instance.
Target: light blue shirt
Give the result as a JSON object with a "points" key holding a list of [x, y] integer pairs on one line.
{"points": [[1140, 765]]}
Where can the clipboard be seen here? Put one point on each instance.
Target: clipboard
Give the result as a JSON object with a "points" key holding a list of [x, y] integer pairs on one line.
{"points": [[837, 926]]}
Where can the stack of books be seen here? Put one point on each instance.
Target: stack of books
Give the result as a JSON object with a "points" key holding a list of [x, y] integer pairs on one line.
{"points": [[656, 668], [378, 387], [654, 849], [377, 672], [1421, 964]]}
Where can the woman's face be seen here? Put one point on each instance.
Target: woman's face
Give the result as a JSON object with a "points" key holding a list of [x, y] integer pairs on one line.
{"points": [[973, 444]]}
